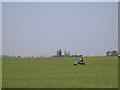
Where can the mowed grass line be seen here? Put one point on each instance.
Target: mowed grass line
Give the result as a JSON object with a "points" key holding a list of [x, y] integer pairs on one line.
{"points": [[99, 72]]}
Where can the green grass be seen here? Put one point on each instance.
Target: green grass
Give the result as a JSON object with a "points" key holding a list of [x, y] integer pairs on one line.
{"points": [[99, 72]]}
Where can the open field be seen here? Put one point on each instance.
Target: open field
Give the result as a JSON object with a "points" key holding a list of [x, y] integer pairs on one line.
{"points": [[99, 72]]}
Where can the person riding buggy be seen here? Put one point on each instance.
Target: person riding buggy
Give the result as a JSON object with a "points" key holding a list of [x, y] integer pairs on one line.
{"points": [[80, 62]]}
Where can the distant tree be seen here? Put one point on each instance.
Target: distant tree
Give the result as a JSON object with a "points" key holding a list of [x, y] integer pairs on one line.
{"points": [[111, 53], [108, 53], [114, 53], [59, 53]]}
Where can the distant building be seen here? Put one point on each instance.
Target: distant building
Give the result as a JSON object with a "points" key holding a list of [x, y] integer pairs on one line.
{"points": [[59, 53]]}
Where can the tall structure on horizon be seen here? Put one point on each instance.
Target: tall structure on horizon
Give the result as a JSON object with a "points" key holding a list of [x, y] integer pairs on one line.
{"points": [[59, 53]]}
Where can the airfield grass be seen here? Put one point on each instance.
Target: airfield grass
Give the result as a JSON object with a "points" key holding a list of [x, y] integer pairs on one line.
{"points": [[99, 72]]}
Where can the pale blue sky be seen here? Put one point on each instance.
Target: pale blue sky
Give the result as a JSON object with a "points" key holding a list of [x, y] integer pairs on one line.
{"points": [[39, 28], [1, 28]]}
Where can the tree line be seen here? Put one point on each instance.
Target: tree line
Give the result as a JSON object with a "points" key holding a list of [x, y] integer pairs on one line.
{"points": [[67, 54], [112, 53]]}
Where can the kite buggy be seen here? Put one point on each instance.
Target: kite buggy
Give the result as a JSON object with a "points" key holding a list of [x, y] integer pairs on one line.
{"points": [[80, 62]]}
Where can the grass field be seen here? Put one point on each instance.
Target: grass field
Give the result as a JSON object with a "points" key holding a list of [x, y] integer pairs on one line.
{"points": [[99, 72]]}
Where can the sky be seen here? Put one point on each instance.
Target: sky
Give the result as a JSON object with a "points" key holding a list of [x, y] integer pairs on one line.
{"points": [[0, 29], [119, 27], [41, 28]]}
